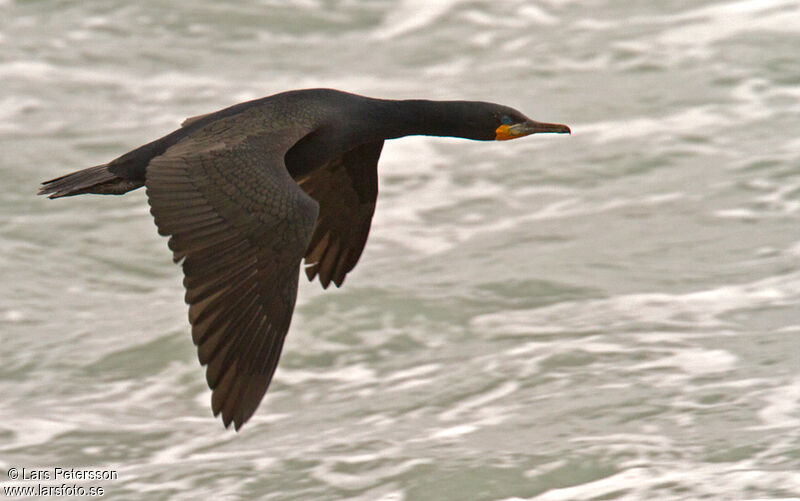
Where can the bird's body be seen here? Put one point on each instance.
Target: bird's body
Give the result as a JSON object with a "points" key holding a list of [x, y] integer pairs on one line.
{"points": [[249, 191]]}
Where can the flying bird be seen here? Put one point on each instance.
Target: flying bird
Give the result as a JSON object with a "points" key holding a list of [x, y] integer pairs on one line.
{"points": [[248, 192]]}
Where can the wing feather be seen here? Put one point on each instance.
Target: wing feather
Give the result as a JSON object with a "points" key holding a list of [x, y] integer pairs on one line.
{"points": [[346, 189], [241, 226]]}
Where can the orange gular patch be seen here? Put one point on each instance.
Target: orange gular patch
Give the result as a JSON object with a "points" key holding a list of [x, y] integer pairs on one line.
{"points": [[502, 133]]}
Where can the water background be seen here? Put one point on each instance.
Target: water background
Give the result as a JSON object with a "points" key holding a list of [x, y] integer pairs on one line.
{"points": [[609, 315]]}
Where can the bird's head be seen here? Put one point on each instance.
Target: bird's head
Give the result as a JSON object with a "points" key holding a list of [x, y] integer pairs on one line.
{"points": [[496, 122], [514, 124]]}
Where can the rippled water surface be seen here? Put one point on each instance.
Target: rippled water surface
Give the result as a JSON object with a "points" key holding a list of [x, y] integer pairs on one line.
{"points": [[609, 315]]}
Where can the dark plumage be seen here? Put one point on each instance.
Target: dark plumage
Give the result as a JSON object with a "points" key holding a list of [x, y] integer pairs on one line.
{"points": [[248, 192]]}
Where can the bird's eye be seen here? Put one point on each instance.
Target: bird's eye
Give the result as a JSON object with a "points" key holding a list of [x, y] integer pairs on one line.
{"points": [[506, 120]]}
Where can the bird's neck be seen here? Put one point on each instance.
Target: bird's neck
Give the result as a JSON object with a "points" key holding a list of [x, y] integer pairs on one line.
{"points": [[366, 120], [418, 117]]}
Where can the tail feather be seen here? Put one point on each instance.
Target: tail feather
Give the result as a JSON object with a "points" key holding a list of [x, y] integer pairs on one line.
{"points": [[97, 179]]}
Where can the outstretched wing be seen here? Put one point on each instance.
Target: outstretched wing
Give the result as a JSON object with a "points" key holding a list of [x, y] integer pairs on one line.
{"points": [[241, 225], [346, 189]]}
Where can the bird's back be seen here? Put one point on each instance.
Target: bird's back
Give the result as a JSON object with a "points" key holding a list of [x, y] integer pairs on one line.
{"points": [[298, 109]]}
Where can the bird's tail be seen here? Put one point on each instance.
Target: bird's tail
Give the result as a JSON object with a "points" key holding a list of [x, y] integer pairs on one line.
{"points": [[98, 179]]}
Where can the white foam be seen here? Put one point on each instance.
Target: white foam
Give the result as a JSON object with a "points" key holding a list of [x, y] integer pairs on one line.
{"points": [[481, 400], [453, 431], [412, 15], [413, 383], [13, 316], [96, 22], [749, 103], [326, 471], [725, 20], [689, 120], [536, 15], [187, 446], [34, 431], [693, 362], [28, 70], [358, 374], [390, 496], [646, 482], [413, 372], [783, 406], [11, 108], [794, 250], [425, 175], [450, 68], [595, 24], [736, 213], [701, 309]]}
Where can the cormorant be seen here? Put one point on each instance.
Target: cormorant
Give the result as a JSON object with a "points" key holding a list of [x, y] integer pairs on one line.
{"points": [[249, 191]]}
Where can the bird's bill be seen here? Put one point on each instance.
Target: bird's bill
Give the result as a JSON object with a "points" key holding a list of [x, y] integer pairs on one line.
{"points": [[506, 132]]}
